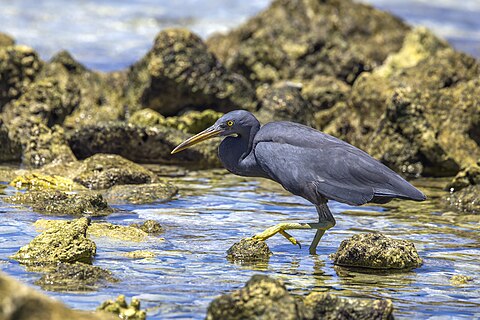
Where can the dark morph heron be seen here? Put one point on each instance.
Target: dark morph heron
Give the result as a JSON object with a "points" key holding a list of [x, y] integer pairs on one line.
{"points": [[308, 163]]}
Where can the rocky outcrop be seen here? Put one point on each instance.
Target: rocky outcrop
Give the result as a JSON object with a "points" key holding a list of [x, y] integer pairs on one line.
{"points": [[374, 250], [179, 72]]}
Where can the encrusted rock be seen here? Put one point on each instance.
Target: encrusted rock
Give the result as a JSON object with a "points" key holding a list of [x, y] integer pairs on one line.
{"points": [[261, 298], [466, 177], [75, 277], [460, 280], [249, 250], [374, 250], [11, 150], [6, 40], [102, 171], [19, 302], [141, 194], [329, 306], [139, 254], [40, 181], [149, 226], [65, 242], [466, 200], [61, 203], [123, 233], [180, 72], [123, 310], [141, 144], [147, 118]]}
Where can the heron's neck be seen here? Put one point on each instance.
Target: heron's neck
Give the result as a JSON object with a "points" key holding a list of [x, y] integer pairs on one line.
{"points": [[236, 153]]}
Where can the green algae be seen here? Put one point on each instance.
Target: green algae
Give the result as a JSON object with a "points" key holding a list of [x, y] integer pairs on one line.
{"points": [[376, 251], [40, 181], [121, 308], [65, 242], [61, 203]]}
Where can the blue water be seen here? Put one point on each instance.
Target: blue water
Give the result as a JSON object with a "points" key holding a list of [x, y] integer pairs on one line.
{"points": [[110, 35], [214, 211]]}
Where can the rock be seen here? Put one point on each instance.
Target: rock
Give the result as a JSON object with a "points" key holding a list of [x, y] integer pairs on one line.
{"points": [[149, 226], [103, 171], [284, 101], [64, 242], [141, 194], [179, 72], [147, 118], [467, 200], [261, 298], [249, 250], [329, 306], [39, 181], [416, 113], [19, 66], [374, 250], [460, 280], [323, 92], [19, 302], [466, 177], [75, 277], [123, 310], [302, 39], [61, 203], [116, 232], [142, 145], [140, 254], [11, 150], [6, 40], [194, 121]]}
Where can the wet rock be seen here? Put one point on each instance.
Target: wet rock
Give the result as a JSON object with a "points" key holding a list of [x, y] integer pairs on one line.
{"points": [[284, 101], [179, 72], [19, 302], [66, 242], [466, 177], [329, 306], [417, 112], [149, 226], [261, 298], [123, 233], [140, 254], [123, 310], [249, 250], [6, 40], [19, 66], [142, 145], [302, 39], [467, 200], [374, 250], [61, 203], [460, 280], [39, 181], [141, 194], [75, 277], [103, 171]]}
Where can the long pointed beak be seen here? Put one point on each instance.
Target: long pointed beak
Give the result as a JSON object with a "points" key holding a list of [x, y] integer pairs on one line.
{"points": [[199, 137]]}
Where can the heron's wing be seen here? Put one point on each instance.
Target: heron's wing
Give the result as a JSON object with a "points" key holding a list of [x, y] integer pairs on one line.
{"points": [[314, 165]]}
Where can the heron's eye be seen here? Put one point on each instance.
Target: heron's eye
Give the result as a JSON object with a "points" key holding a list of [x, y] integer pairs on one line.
{"points": [[229, 123]]}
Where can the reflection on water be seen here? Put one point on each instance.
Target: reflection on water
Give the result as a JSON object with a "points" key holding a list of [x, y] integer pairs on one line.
{"points": [[214, 210]]}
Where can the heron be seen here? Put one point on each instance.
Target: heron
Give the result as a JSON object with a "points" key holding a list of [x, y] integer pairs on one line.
{"points": [[306, 162]]}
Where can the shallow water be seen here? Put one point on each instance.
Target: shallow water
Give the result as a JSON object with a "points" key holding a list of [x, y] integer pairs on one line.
{"points": [[214, 210], [111, 35]]}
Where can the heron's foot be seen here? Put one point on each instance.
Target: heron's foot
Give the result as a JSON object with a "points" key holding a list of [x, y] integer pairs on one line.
{"points": [[279, 228]]}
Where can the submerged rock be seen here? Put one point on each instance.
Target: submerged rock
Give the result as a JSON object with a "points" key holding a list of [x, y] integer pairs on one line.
{"points": [[141, 144], [40, 181], [249, 250], [61, 203], [116, 232], [19, 302], [103, 171], [460, 280], [123, 310], [141, 194], [149, 226], [140, 254], [329, 306], [261, 298], [303, 39], [63, 242], [75, 277], [374, 250], [179, 72]]}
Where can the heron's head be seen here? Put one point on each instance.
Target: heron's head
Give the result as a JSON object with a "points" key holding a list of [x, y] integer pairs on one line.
{"points": [[236, 122]]}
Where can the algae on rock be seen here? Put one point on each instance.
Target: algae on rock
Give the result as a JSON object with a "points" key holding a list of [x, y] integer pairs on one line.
{"points": [[40, 181], [249, 250], [65, 242], [121, 308], [141, 194], [116, 232], [374, 250], [149, 226]]}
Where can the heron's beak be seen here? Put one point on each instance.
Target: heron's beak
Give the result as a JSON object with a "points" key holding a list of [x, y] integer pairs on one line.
{"points": [[208, 133]]}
